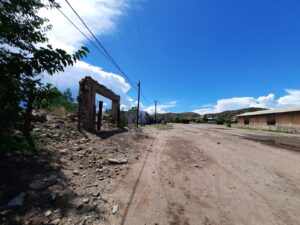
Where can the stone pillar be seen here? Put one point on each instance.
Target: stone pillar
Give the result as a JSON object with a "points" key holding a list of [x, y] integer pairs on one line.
{"points": [[115, 111], [99, 115], [87, 101]]}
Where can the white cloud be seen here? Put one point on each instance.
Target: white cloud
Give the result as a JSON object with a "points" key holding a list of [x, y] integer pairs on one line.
{"points": [[160, 108], [265, 101], [72, 75], [101, 16], [291, 99]]}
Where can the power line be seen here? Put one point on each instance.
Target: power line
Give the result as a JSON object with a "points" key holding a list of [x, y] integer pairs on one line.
{"points": [[102, 47], [141, 38], [82, 33], [134, 44], [103, 51]]}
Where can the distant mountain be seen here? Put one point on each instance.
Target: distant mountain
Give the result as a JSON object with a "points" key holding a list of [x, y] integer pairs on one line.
{"points": [[230, 114], [192, 116]]}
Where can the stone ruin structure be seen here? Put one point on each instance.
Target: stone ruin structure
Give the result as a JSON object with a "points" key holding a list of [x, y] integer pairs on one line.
{"points": [[88, 88]]}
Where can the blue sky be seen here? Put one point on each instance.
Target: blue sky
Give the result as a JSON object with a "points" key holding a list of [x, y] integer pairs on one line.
{"points": [[203, 55]]}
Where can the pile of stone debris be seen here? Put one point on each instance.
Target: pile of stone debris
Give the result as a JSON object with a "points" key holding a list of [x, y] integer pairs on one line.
{"points": [[71, 176]]}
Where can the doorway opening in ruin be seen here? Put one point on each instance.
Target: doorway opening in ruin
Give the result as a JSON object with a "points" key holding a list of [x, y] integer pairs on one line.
{"points": [[103, 113], [87, 113]]}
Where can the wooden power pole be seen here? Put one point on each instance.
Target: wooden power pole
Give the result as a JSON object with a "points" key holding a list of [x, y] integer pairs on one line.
{"points": [[155, 111], [138, 105]]}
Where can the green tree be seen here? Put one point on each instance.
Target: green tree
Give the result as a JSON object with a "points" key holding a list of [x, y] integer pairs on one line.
{"points": [[24, 54], [68, 95], [133, 109]]}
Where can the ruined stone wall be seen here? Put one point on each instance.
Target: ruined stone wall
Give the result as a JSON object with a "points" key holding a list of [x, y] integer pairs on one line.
{"points": [[88, 88]]}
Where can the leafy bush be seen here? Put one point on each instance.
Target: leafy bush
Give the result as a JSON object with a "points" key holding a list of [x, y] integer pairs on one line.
{"points": [[9, 143], [123, 120]]}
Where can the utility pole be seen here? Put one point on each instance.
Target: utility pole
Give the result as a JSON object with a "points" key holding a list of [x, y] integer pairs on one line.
{"points": [[138, 105], [155, 111]]}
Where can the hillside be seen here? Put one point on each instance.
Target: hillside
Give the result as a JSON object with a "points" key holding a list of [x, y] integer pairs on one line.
{"points": [[192, 116], [230, 114]]}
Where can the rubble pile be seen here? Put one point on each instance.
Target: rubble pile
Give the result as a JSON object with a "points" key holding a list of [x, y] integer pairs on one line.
{"points": [[71, 176]]}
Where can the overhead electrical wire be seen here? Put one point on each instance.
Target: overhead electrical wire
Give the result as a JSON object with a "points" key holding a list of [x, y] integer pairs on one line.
{"points": [[141, 39], [102, 47], [82, 33], [102, 50]]}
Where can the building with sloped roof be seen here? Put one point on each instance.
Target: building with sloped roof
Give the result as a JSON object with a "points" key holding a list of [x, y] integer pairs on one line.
{"points": [[288, 117]]}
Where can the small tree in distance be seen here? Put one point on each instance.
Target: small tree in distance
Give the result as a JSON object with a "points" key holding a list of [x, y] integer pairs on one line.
{"points": [[68, 95]]}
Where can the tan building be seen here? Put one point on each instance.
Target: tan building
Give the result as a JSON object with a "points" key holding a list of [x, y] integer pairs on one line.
{"points": [[289, 117]]}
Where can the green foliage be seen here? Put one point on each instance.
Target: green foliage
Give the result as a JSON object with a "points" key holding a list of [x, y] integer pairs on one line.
{"points": [[177, 120], [35, 134], [57, 99], [230, 114], [8, 143], [163, 126], [24, 54], [107, 112], [133, 109], [68, 95], [123, 120]]}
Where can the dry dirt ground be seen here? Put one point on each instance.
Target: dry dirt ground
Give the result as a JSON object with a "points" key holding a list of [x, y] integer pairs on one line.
{"points": [[212, 175], [187, 175], [71, 176]]}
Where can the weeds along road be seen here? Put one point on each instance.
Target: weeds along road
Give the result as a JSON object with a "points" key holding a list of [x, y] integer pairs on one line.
{"points": [[211, 175]]}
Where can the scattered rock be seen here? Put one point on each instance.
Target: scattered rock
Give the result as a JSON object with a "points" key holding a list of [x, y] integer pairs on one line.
{"points": [[97, 194], [52, 197], [57, 211], [80, 206], [17, 201], [5, 213], [76, 172], [63, 151], [117, 161], [55, 222], [48, 213], [39, 184], [114, 209], [85, 200]]}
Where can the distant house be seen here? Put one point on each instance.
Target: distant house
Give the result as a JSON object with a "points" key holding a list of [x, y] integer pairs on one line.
{"points": [[131, 117], [211, 120], [289, 117]]}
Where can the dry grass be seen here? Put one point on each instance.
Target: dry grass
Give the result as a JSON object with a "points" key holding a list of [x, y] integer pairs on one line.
{"points": [[59, 111]]}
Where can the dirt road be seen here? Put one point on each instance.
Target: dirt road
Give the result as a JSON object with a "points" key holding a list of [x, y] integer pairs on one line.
{"points": [[210, 175]]}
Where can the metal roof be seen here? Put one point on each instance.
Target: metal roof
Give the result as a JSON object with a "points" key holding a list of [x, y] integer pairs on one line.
{"points": [[270, 111]]}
